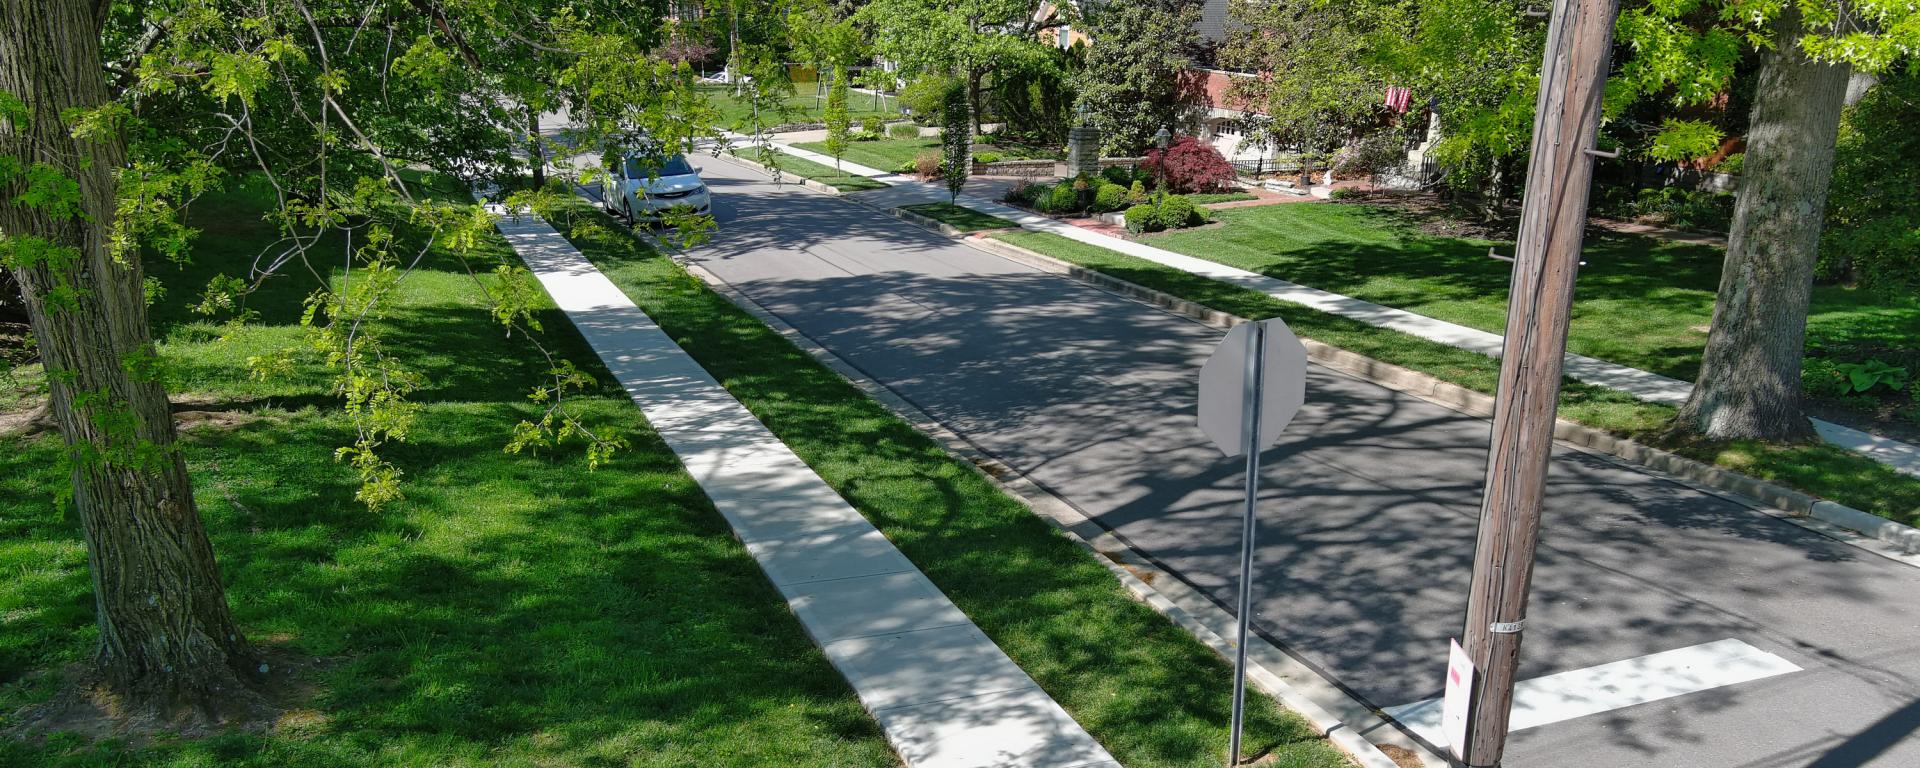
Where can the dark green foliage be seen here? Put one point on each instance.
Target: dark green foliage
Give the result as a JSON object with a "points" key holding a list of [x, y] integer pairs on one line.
{"points": [[1035, 101], [1133, 81], [1873, 210], [1118, 174], [1669, 206], [955, 140], [1026, 194]]}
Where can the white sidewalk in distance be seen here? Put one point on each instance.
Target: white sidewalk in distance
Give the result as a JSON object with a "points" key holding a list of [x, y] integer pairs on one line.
{"points": [[1647, 386], [946, 696]]}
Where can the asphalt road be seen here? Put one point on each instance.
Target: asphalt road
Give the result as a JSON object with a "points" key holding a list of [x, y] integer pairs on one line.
{"points": [[1369, 504]]}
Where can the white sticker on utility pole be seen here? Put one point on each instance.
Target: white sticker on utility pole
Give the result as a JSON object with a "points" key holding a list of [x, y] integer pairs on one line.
{"points": [[1457, 703], [1223, 386]]}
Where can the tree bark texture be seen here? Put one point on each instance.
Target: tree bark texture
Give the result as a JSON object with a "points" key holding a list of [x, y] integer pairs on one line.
{"points": [[167, 637], [1749, 385]]}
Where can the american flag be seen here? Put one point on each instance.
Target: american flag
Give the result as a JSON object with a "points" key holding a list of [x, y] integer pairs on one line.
{"points": [[1398, 98]]}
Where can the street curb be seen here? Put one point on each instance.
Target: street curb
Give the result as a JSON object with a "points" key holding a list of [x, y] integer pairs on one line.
{"points": [[1873, 533], [1107, 549], [927, 222]]}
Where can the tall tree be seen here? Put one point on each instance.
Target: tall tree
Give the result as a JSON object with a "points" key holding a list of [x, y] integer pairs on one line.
{"points": [[1749, 383], [1136, 79], [836, 115], [113, 116], [167, 638], [971, 39], [956, 156]]}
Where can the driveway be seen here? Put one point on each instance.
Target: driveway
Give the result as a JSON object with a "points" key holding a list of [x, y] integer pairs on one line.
{"points": [[1369, 507]]}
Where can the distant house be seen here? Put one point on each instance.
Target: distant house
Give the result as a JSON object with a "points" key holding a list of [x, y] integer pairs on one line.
{"points": [[1216, 119]]}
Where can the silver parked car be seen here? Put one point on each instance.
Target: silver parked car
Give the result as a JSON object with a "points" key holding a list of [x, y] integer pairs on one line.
{"points": [[645, 187]]}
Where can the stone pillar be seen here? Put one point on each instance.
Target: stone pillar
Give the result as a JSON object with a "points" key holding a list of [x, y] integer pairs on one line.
{"points": [[1083, 150]]}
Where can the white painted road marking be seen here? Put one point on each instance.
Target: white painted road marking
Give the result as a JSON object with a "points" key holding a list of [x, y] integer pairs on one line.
{"points": [[1590, 691]]}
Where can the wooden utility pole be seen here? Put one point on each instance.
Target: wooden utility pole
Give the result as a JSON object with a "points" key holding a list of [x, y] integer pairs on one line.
{"points": [[1553, 220]]}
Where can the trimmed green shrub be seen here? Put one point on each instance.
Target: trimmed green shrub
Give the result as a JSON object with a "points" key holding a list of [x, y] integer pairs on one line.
{"points": [[1109, 197], [987, 157], [1061, 199], [1118, 175], [1137, 193], [1175, 212], [1143, 218], [903, 131], [873, 124]]}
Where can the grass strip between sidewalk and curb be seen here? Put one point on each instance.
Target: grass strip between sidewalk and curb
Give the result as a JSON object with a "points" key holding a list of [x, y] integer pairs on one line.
{"points": [[840, 180], [1149, 692], [1822, 470], [960, 217]]}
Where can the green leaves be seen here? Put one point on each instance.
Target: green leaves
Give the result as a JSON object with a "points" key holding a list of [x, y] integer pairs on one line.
{"points": [[52, 191], [240, 74], [1685, 139]]}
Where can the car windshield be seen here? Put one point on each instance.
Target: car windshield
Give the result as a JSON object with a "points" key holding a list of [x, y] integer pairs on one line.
{"points": [[638, 167]]}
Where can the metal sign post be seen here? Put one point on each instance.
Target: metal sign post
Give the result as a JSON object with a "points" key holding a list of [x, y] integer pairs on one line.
{"points": [[1261, 368]]}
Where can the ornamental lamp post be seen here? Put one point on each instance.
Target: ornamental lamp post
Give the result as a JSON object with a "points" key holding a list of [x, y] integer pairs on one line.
{"points": [[1160, 139]]}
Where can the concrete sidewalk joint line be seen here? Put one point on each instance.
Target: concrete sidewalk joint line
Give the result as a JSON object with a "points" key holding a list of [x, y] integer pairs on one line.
{"points": [[1902, 457], [944, 693]]}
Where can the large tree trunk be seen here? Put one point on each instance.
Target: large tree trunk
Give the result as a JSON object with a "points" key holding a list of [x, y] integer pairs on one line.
{"points": [[1749, 385], [167, 639]]}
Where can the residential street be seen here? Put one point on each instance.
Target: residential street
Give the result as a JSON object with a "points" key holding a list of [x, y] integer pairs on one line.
{"points": [[1369, 505]]}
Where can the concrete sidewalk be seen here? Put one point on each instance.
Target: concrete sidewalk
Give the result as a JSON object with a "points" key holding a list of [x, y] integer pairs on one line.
{"points": [[904, 190], [945, 695]]}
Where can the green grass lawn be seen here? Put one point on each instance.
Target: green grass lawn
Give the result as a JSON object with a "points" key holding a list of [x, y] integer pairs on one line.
{"points": [[1640, 302], [884, 154], [960, 217], [825, 174], [891, 154], [1823, 470], [1205, 198], [802, 107], [512, 610], [1150, 693]]}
